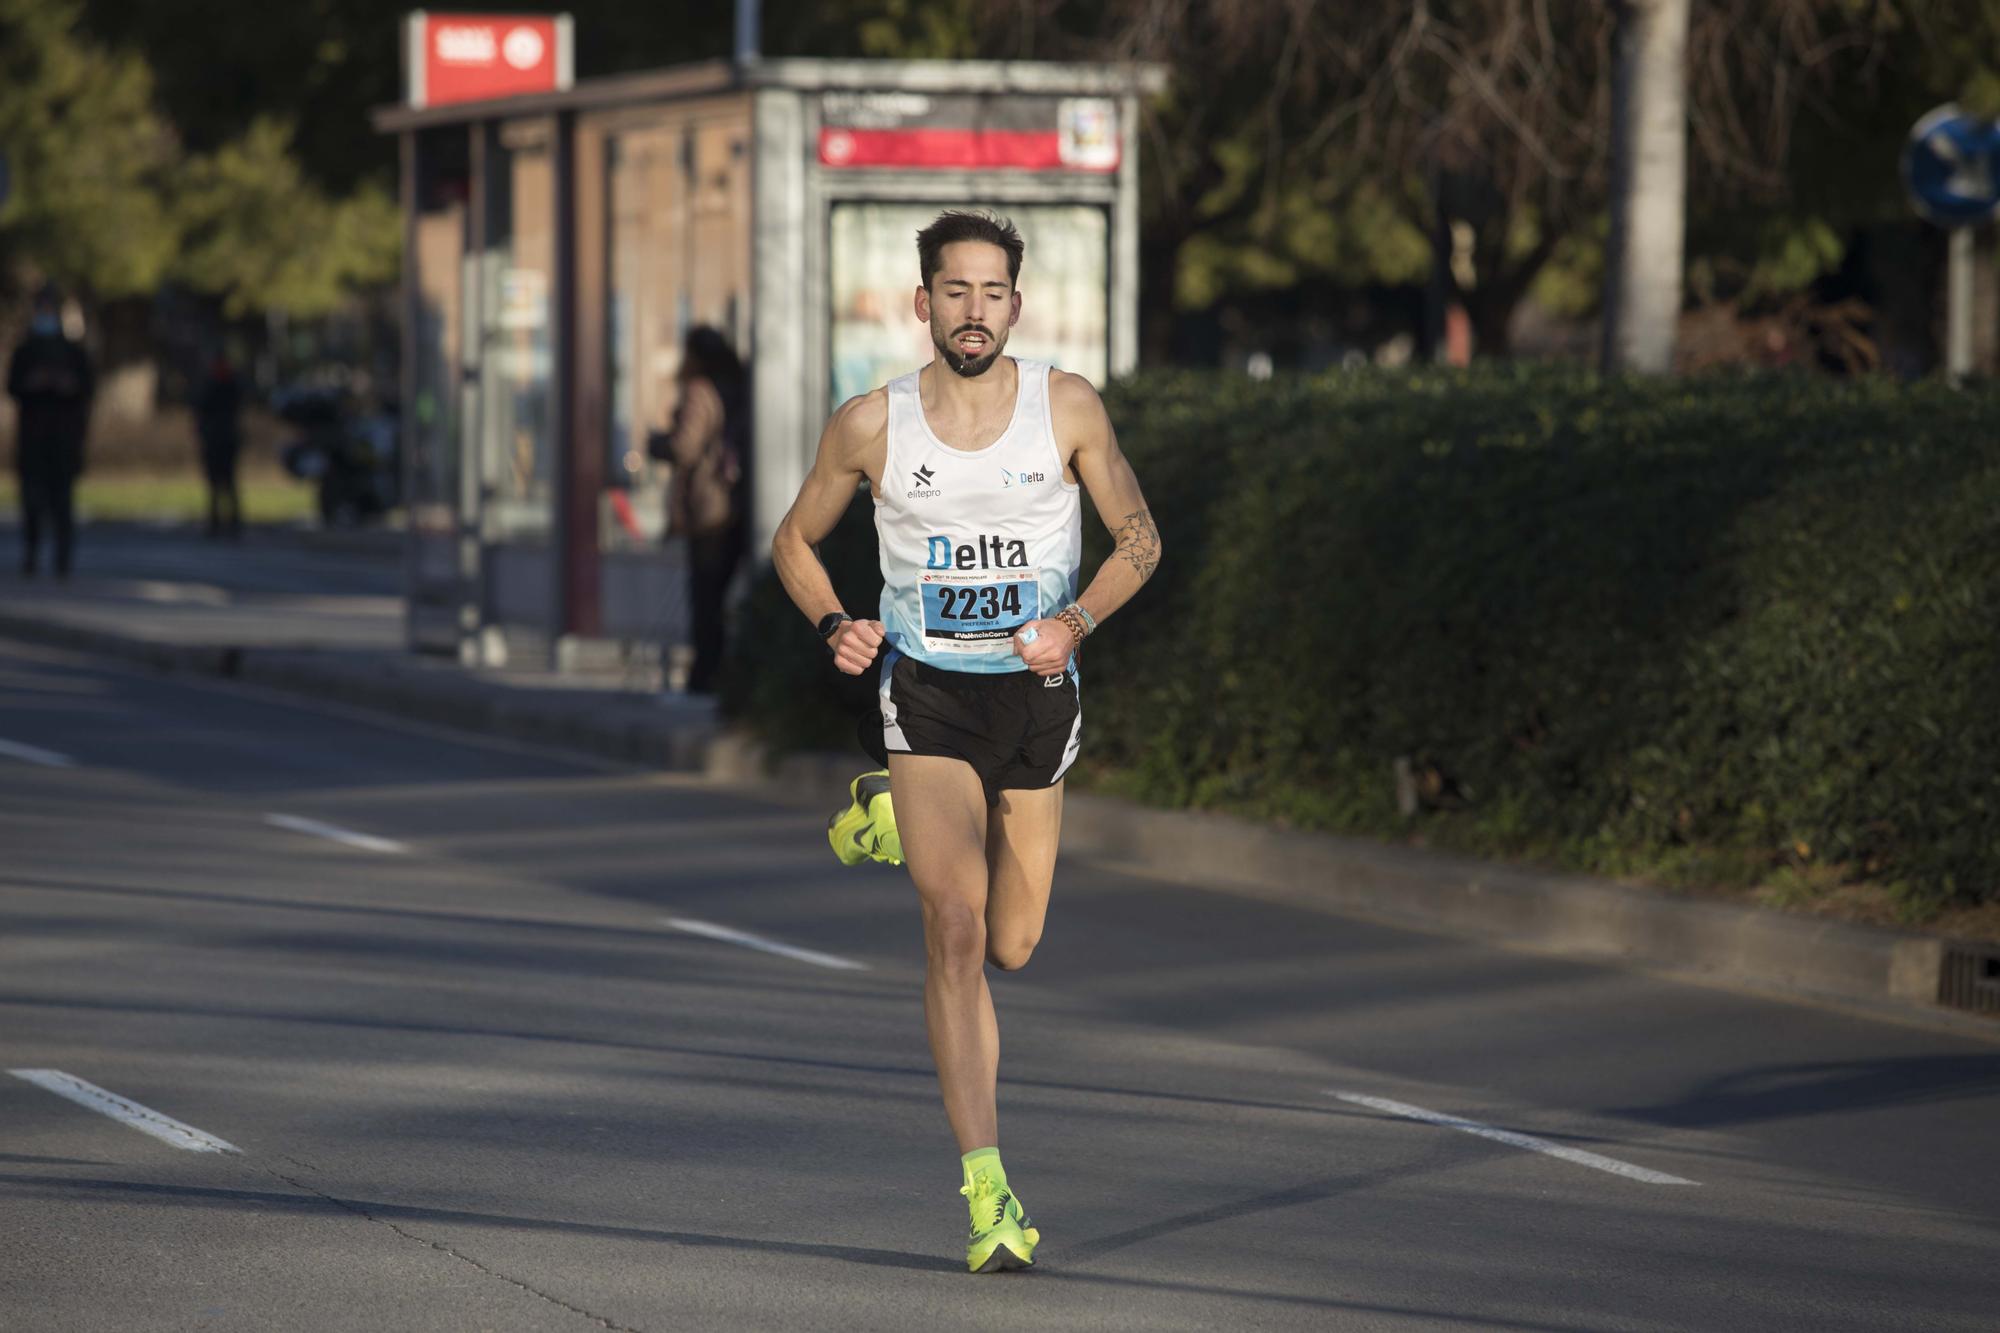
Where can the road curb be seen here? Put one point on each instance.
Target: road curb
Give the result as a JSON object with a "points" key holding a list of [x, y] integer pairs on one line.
{"points": [[1571, 915]]}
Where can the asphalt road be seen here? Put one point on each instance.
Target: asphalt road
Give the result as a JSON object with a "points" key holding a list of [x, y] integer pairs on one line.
{"points": [[475, 1078]]}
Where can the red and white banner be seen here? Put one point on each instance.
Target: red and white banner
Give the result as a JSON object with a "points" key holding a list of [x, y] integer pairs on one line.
{"points": [[944, 132], [473, 57]]}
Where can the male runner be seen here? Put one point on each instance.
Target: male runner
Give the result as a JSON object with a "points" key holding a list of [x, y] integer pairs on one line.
{"points": [[974, 464]]}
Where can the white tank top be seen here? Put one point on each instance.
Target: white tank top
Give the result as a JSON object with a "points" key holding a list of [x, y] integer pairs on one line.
{"points": [[975, 543]]}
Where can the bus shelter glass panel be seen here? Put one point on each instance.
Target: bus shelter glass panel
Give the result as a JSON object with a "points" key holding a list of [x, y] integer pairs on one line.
{"points": [[517, 339], [443, 185], [644, 313], [1064, 285], [679, 256], [443, 192]]}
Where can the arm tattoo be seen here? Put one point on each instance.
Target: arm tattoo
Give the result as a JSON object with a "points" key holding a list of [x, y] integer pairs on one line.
{"points": [[1139, 542]]}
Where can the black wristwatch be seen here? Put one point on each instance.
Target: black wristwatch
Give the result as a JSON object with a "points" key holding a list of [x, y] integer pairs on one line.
{"points": [[830, 622]]}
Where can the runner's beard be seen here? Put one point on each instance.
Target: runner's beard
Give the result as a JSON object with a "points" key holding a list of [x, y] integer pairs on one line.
{"points": [[968, 367]]}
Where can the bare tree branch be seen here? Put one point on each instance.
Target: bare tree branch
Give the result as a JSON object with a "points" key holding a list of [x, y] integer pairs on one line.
{"points": [[1490, 111]]}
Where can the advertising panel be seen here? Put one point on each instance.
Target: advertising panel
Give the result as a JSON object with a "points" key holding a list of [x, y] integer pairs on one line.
{"points": [[968, 130], [472, 57], [876, 336]]}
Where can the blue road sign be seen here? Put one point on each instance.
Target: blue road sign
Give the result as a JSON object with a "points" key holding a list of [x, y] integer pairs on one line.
{"points": [[1951, 168]]}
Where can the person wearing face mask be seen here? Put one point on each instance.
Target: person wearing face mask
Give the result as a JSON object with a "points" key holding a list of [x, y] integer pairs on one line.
{"points": [[51, 382]]}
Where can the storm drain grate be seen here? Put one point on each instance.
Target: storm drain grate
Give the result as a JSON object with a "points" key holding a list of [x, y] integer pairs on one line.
{"points": [[1970, 979]]}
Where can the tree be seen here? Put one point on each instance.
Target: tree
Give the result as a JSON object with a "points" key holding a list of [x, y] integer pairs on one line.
{"points": [[879, 29], [262, 237], [1236, 193], [1642, 279], [219, 64], [90, 157], [322, 65], [1486, 122]]}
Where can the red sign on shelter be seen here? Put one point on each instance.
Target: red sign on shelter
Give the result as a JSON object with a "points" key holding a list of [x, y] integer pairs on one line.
{"points": [[471, 57]]}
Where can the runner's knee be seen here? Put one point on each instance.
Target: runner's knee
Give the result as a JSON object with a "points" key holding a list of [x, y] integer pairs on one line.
{"points": [[955, 936], [1010, 952]]}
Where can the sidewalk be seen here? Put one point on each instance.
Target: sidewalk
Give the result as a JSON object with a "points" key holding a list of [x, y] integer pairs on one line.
{"points": [[324, 620], [322, 615]]}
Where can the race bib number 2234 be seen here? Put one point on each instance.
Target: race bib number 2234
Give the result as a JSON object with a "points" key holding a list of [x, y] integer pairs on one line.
{"points": [[968, 611]]}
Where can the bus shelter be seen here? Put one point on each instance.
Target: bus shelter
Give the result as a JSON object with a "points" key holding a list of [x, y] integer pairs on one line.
{"points": [[559, 246]]}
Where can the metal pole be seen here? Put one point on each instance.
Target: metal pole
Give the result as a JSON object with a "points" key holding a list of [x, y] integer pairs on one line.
{"points": [[575, 543], [1958, 306], [472, 420], [746, 31], [407, 423]]}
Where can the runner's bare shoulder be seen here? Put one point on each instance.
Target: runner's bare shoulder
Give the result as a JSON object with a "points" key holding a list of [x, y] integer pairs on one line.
{"points": [[1071, 395], [1079, 418], [858, 434]]}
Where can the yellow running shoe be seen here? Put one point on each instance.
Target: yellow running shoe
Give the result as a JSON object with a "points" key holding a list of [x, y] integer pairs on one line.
{"points": [[867, 828], [888, 843], [1001, 1238]]}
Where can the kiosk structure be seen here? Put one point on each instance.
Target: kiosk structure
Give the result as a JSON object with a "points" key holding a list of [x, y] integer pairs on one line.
{"points": [[560, 245]]}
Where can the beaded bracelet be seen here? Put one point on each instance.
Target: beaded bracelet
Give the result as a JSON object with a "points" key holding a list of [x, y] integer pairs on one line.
{"points": [[1072, 618]]}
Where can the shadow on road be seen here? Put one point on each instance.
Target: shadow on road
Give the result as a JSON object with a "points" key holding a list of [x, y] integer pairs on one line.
{"points": [[1311, 1191], [399, 1215], [1774, 1092], [921, 1072]]}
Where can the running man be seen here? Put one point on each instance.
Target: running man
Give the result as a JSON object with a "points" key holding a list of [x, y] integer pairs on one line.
{"points": [[974, 464]]}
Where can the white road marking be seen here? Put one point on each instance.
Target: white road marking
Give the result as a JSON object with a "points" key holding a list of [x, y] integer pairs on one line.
{"points": [[125, 1111], [749, 941], [367, 842], [151, 590], [1508, 1136], [34, 754]]}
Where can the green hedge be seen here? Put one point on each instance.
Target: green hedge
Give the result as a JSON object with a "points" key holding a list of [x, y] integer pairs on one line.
{"points": [[1723, 630]]}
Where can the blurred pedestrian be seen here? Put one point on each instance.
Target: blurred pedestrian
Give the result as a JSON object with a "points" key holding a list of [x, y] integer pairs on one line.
{"points": [[218, 419], [51, 382], [708, 445]]}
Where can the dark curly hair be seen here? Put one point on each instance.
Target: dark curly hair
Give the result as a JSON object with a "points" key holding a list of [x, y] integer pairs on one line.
{"points": [[955, 225]]}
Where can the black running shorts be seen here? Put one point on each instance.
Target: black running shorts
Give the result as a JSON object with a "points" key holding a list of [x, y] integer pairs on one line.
{"points": [[1016, 729]]}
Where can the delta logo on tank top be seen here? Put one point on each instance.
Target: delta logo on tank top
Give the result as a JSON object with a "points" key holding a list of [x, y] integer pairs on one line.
{"points": [[975, 542]]}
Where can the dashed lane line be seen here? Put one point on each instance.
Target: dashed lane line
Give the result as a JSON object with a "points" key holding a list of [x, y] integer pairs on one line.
{"points": [[367, 842], [1508, 1136], [35, 754], [730, 935], [125, 1111]]}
